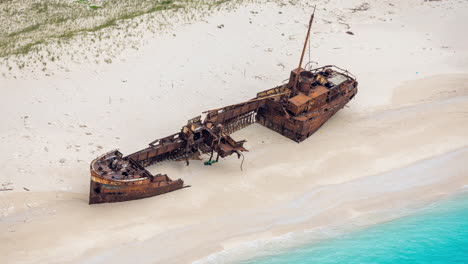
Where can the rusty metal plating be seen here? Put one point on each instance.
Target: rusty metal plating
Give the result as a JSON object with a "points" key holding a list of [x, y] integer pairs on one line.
{"points": [[295, 110]]}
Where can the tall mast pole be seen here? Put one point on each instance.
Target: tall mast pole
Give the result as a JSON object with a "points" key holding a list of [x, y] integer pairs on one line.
{"points": [[303, 51]]}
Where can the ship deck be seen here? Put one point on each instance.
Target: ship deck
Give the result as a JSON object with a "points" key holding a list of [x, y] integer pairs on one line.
{"points": [[112, 166]]}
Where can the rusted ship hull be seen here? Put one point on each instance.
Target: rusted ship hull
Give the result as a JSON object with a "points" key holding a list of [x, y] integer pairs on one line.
{"points": [[104, 191], [295, 114], [299, 129], [111, 192], [295, 110], [142, 185], [283, 127]]}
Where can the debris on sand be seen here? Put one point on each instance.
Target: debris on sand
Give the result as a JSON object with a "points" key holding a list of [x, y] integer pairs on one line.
{"points": [[362, 7]]}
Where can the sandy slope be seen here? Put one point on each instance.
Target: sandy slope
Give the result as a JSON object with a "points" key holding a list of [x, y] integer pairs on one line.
{"points": [[401, 142]]}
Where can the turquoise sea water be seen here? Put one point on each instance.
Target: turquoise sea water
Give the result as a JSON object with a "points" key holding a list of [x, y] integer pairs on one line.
{"points": [[437, 233]]}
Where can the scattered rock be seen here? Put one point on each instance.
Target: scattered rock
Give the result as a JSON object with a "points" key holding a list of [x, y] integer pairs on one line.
{"points": [[221, 26], [62, 160], [88, 133], [24, 121], [362, 7], [26, 189], [342, 22], [349, 32], [46, 149]]}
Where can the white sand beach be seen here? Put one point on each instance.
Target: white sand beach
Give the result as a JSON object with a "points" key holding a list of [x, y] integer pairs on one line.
{"points": [[402, 142]]}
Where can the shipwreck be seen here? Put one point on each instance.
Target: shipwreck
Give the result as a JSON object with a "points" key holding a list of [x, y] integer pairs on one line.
{"points": [[295, 110]]}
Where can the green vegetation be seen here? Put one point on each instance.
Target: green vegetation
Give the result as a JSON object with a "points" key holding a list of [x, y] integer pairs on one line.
{"points": [[54, 34], [26, 24], [24, 30]]}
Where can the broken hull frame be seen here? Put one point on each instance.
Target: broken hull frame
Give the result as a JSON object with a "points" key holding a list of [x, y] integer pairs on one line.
{"points": [[211, 135]]}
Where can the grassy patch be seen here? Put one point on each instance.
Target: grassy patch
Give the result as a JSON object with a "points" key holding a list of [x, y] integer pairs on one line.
{"points": [[220, 2], [52, 33], [24, 30], [27, 48], [24, 24]]}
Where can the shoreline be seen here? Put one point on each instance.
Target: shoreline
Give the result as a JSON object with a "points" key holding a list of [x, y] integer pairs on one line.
{"points": [[355, 213], [401, 143], [278, 247], [254, 185], [259, 247]]}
